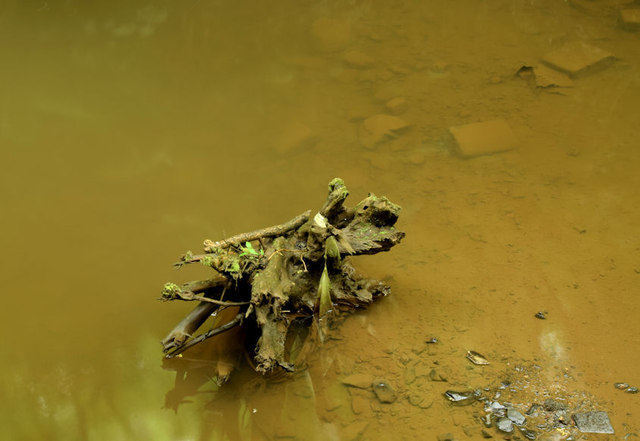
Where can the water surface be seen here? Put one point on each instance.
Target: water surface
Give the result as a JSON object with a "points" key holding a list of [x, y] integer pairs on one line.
{"points": [[131, 131]]}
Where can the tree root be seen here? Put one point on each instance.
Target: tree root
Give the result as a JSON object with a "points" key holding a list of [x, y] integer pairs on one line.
{"points": [[273, 274], [237, 321]]}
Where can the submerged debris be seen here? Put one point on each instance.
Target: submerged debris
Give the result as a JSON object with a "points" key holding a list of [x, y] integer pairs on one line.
{"points": [[477, 358], [463, 398], [385, 393], [593, 422], [515, 416], [576, 57], [505, 425], [551, 405], [627, 388], [528, 433], [279, 275], [503, 415], [483, 138]]}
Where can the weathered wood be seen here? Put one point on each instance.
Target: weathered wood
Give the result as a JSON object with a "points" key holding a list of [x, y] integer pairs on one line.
{"points": [[237, 321], [273, 274], [185, 329], [276, 230]]}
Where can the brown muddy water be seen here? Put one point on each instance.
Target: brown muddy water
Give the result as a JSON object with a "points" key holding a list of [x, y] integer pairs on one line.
{"points": [[131, 131]]}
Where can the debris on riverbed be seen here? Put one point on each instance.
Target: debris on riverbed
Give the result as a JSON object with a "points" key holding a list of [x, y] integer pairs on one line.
{"points": [[484, 138], [476, 358], [593, 422], [551, 416], [510, 398], [626, 387], [505, 413], [385, 393], [463, 398], [282, 279], [577, 57]]}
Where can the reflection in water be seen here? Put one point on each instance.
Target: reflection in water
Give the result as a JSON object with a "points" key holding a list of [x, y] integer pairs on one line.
{"points": [[128, 129], [212, 361], [65, 402]]}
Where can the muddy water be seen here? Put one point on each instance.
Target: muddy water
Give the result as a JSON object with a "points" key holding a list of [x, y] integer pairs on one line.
{"points": [[131, 131]]}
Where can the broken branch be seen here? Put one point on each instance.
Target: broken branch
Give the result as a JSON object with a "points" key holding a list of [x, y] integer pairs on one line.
{"points": [[237, 321], [276, 230]]}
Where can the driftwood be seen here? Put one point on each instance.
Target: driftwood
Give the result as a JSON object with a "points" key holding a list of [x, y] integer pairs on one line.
{"points": [[279, 274]]}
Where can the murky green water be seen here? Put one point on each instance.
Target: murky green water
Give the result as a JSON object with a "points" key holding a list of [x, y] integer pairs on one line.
{"points": [[131, 131]]}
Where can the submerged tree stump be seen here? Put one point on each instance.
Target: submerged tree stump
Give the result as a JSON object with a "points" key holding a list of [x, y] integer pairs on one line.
{"points": [[277, 275]]}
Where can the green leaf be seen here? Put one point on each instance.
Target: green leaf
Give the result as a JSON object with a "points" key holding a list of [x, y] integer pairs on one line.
{"points": [[248, 249], [331, 249], [324, 293]]}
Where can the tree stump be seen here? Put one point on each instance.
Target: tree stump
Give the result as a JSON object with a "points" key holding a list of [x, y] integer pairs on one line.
{"points": [[279, 275]]}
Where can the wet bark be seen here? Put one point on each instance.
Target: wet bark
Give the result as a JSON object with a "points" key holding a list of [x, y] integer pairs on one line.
{"points": [[283, 272]]}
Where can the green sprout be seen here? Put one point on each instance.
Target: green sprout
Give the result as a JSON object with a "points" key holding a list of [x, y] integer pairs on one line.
{"points": [[248, 250], [324, 293], [331, 249]]}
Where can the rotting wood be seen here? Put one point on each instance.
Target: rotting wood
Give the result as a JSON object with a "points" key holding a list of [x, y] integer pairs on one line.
{"points": [[273, 275]]}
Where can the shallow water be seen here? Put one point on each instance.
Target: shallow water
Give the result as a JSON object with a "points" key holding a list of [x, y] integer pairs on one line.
{"points": [[131, 131]]}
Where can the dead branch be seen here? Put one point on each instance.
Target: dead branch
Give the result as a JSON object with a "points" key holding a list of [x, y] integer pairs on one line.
{"points": [[276, 230], [237, 321], [185, 329]]}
